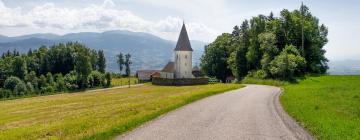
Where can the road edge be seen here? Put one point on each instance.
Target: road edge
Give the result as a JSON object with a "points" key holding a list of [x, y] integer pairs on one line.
{"points": [[299, 131]]}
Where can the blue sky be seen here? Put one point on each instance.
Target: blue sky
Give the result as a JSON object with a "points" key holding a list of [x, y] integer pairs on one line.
{"points": [[205, 19]]}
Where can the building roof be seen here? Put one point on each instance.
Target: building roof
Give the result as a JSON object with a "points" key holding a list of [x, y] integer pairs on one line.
{"points": [[170, 67], [183, 43], [145, 74]]}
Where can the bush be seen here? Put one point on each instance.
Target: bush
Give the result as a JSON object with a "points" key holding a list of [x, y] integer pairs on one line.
{"points": [[95, 79], [20, 89], [70, 81], [5, 93], [47, 89], [30, 88], [11, 82], [259, 74], [50, 79], [60, 82], [108, 79]]}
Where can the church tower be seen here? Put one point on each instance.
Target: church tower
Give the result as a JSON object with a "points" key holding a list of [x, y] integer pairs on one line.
{"points": [[183, 55]]}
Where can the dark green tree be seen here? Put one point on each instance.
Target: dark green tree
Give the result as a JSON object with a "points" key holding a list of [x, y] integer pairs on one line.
{"points": [[101, 61], [214, 60], [120, 61], [127, 64]]}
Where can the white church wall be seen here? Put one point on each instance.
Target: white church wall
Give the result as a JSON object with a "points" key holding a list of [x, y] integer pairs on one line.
{"points": [[183, 64]]}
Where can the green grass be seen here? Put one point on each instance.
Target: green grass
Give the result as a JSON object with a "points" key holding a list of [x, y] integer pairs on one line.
{"points": [[124, 81], [328, 106], [95, 115]]}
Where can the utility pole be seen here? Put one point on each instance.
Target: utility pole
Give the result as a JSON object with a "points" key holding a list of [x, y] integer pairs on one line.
{"points": [[302, 32], [302, 29]]}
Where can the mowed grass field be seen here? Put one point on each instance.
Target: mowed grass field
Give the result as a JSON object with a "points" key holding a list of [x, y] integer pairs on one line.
{"points": [[95, 115], [328, 106]]}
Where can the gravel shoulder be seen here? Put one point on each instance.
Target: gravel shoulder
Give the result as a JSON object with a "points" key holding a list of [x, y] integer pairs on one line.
{"points": [[252, 112]]}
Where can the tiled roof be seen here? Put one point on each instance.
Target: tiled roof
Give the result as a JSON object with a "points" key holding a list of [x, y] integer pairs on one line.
{"points": [[170, 67], [145, 74]]}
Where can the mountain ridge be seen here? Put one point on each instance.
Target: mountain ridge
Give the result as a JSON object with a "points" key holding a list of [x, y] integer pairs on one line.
{"points": [[148, 51]]}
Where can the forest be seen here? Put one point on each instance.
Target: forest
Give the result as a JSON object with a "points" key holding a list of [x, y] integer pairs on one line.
{"points": [[269, 47], [47, 70]]}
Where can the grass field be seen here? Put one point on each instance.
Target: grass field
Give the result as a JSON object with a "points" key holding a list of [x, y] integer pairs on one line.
{"points": [[328, 106], [123, 81], [95, 115]]}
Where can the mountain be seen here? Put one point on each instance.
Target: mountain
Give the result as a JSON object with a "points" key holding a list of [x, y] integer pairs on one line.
{"points": [[344, 67], [148, 51]]}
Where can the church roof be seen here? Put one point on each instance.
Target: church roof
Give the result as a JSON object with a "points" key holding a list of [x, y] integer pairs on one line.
{"points": [[183, 43], [170, 67]]}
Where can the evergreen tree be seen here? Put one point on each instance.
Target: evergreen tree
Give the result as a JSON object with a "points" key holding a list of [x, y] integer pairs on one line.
{"points": [[101, 61], [127, 64]]}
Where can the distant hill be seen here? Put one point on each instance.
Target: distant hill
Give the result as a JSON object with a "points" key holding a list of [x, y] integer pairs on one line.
{"points": [[344, 67], [148, 51]]}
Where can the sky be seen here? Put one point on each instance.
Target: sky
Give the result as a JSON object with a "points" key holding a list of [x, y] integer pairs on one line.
{"points": [[205, 19]]}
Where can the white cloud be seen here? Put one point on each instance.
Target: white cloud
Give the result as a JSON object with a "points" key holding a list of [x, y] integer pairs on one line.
{"points": [[99, 18]]}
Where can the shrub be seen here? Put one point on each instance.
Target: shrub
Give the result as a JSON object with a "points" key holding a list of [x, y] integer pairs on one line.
{"points": [[42, 81], [60, 83], [95, 79], [11, 82], [108, 79], [70, 81], [30, 88], [50, 79], [47, 89], [259, 74], [20, 89], [5, 93]]}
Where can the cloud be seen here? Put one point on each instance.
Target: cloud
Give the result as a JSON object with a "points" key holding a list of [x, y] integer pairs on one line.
{"points": [[97, 17]]}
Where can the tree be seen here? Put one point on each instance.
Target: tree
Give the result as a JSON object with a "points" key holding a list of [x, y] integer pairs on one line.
{"points": [[108, 79], [101, 61], [19, 67], [11, 82], [127, 64], [82, 67], [214, 60], [267, 45], [120, 60], [31, 77], [96, 79], [285, 65]]}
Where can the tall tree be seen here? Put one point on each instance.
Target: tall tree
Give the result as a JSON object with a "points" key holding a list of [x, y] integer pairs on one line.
{"points": [[120, 60], [19, 67], [214, 60], [127, 64], [101, 61]]}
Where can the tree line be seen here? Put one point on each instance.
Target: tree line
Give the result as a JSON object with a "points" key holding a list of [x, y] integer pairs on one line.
{"points": [[61, 67], [269, 47]]}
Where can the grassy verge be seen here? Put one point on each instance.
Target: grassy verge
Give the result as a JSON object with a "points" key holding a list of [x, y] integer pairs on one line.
{"points": [[264, 82], [328, 106], [95, 115]]}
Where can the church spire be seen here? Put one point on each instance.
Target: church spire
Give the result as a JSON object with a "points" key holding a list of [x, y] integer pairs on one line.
{"points": [[183, 43]]}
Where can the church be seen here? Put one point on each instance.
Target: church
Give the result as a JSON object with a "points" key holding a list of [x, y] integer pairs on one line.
{"points": [[182, 66]]}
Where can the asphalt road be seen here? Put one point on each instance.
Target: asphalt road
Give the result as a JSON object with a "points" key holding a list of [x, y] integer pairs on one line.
{"points": [[253, 112]]}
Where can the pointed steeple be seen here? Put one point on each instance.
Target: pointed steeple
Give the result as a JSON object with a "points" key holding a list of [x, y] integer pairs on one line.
{"points": [[183, 43]]}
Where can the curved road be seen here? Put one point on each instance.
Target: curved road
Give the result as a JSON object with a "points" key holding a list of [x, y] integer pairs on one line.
{"points": [[252, 112]]}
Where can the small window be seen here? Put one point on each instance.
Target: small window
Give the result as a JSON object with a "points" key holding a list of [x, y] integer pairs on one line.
{"points": [[185, 56], [185, 64]]}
